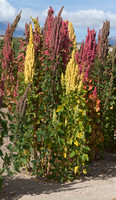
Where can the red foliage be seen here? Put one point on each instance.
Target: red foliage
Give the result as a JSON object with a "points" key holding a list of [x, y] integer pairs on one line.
{"points": [[56, 39], [8, 76], [47, 30], [1, 92], [86, 57], [102, 47], [27, 32], [8, 56]]}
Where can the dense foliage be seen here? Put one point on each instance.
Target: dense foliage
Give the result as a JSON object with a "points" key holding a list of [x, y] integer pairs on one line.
{"points": [[60, 100]]}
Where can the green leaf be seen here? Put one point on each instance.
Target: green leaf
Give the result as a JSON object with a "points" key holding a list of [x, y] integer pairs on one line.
{"points": [[1, 154], [10, 172], [85, 157], [23, 160], [4, 124], [9, 117], [10, 147], [22, 51], [59, 108], [3, 133], [72, 154], [11, 138]]}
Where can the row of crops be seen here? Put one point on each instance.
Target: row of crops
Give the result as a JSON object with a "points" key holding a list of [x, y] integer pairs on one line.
{"points": [[60, 100]]}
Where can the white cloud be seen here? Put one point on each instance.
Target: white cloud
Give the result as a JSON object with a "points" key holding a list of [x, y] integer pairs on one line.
{"points": [[89, 18], [27, 12], [7, 12], [92, 18]]}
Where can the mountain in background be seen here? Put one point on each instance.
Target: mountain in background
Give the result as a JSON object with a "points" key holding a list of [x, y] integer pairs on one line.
{"points": [[19, 32], [112, 41]]}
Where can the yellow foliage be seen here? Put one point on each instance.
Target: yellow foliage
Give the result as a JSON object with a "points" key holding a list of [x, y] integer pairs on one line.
{"points": [[65, 155], [72, 33], [60, 108], [80, 86], [29, 65], [65, 152], [80, 135], [72, 80], [71, 140], [76, 143], [36, 25], [84, 171], [65, 122], [71, 74], [76, 169], [62, 80], [54, 116], [26, 152]]}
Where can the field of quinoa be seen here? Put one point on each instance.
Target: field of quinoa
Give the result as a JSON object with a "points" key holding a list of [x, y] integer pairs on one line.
{"points": [[57, 112]]}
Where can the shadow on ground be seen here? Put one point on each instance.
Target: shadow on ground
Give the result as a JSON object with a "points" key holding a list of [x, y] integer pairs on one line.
{"points": [[103, 168], [23, 184]]}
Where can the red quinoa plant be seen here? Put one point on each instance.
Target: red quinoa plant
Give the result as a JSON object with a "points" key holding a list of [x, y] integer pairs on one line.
{"points": [[53, 131]]}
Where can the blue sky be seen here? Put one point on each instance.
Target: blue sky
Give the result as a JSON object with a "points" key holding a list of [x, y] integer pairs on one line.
{"points": [[82, 13]]}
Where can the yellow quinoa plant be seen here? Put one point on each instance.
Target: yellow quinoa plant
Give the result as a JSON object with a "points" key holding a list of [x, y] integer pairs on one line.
{"points": [[29, 65]]}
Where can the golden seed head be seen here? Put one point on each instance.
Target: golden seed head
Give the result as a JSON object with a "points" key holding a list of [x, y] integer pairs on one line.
{"points": [[29, 65]]}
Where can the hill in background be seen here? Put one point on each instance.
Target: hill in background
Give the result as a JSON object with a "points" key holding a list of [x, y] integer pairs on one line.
{"points": [[112, 41], [19, 32]]}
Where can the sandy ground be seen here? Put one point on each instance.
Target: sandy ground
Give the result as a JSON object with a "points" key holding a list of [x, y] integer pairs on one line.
{"points": [[99, 184]]}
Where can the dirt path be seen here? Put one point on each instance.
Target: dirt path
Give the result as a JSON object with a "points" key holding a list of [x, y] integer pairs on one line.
{"points": [[99, 184]]}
